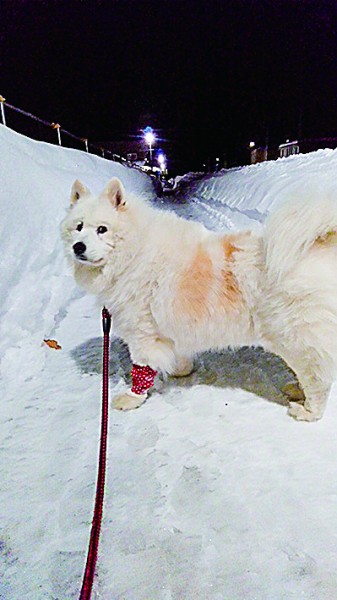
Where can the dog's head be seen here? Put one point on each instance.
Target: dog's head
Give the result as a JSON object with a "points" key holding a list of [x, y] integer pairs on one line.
{"points": [[92, 226]]}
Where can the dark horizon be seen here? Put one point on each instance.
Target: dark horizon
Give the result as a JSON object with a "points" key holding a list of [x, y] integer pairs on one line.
{"points": [[208, 76]]}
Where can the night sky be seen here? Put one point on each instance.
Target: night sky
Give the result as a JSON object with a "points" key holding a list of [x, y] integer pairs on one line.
{"points": [[209, 76]]}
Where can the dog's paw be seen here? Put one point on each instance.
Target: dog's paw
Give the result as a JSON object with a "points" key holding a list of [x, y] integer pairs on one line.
{"points": [[300, 413], [128, 401]]}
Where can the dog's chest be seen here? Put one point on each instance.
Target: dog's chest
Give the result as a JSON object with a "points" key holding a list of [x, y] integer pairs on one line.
{"points": [[128, 302]]}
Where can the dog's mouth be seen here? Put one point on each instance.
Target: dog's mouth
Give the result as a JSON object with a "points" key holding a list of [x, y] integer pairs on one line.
{"points": [[94, 263]]}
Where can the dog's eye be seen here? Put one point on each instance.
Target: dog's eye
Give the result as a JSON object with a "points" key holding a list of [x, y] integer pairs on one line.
{"points": [[102, 229], [79, 226]]}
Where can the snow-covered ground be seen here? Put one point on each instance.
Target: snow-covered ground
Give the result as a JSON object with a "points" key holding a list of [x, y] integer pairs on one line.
{"points": [[213, 492]]}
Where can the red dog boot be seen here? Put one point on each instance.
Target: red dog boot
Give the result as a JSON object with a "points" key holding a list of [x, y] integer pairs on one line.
{"points": [[142, 379]]}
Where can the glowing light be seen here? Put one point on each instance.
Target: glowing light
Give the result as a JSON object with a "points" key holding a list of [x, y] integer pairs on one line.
{"points": [[149, 137]]}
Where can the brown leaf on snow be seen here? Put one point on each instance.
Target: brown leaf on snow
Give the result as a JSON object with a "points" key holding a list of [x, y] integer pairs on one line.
{"points": [[53, 344]]}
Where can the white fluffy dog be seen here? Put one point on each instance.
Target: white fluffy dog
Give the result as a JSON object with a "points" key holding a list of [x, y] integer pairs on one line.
{"points": [[175, 289]]}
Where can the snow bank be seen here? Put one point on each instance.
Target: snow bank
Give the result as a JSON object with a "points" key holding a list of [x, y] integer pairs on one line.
{"points": [[247, 194], [37, 290]]}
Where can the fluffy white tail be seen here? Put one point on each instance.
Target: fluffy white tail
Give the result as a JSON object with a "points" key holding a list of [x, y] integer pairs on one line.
{"points": [[291, 230]]}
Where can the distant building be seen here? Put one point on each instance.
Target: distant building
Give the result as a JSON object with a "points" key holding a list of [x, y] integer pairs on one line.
{"points": [[261, 154], [290, 148], [258, 155]]}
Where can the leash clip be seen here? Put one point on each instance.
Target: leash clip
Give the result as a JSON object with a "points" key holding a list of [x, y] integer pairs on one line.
{"points": [[106, 320]]}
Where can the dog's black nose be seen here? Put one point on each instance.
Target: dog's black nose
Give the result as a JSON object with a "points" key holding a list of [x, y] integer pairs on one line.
{"points": [[79, 248]]}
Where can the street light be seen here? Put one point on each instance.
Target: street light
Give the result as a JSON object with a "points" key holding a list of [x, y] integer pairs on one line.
{"points": [[149, 139], [161, 158]]}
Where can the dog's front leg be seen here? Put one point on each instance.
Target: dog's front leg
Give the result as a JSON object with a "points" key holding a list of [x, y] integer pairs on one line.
{"points": [[148, 357], [143, 378]]}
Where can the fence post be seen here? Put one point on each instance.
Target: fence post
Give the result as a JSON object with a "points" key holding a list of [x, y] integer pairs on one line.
{"points": [[85, 140], [58, 128], [2, 101]]}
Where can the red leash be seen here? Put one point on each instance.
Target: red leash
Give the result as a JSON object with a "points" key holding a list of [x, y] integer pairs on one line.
{"points": [[90, 566]]}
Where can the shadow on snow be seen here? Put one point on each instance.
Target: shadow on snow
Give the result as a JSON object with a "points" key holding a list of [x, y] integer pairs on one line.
{"points": [[248, 368]]}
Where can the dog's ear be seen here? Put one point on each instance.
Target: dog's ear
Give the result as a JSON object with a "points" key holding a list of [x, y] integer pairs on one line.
{"points": [[115, 192], [77, 191]]}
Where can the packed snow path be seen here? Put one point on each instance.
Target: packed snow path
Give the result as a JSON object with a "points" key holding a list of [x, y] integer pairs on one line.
{"points": [[213, 492]]}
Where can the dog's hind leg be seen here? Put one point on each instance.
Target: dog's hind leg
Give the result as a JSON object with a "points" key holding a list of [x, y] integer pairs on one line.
{"points": [[316, 387], [316, 397]]}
